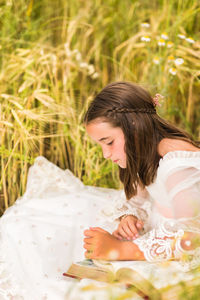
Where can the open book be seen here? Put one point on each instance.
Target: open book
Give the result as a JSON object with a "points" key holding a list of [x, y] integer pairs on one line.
{"points": [[155, 280]]}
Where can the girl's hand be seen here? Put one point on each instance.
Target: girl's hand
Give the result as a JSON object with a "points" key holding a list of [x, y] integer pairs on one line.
{"points": [[128, 228], [100, 244]]}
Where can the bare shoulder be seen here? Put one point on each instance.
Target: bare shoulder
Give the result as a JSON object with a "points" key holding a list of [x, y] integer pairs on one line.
{"points": [[168, 145]]}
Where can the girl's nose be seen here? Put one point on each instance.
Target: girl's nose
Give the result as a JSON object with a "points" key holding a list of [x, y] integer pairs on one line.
{"points": [[106, 154]]}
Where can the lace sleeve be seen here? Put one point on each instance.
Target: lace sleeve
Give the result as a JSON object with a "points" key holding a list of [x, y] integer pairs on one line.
{"points": [[139, 206], [177, 238]]}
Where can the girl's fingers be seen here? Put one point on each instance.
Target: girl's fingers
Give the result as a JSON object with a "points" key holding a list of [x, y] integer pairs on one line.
{"points": [[87, 240], [123, 233], [98, 229], [88, 246], [128, 231], [139, 224], [89, 233], [117, 235], [133, 228]]}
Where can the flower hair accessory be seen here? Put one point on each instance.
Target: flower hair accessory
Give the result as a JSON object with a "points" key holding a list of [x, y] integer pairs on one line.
{"points": [[157, 98]]}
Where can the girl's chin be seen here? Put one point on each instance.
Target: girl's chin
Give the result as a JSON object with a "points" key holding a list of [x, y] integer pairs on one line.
{"points": [[123, 166]]}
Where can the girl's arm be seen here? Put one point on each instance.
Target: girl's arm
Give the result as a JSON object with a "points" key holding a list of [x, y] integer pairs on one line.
{"points": [[178, 237]]}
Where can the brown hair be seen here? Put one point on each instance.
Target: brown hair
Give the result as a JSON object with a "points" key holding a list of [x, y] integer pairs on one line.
{"points": [[131, 107]]}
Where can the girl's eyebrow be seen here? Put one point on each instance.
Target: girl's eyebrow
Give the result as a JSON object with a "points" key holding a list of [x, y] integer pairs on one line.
{"points": [[104, 138]]}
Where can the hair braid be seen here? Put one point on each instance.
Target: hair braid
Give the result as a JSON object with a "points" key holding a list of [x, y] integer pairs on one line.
{"points": [[130, 110]]}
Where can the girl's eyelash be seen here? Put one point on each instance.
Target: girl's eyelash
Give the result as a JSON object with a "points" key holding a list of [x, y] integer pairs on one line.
{"points": [[110, 143]]}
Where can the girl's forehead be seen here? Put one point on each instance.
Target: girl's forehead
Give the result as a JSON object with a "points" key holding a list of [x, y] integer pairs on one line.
{"points": [[101, 130], [100, 126]]}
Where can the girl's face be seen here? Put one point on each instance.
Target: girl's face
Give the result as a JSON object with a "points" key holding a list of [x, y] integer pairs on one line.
{"points": [[111, 139]]}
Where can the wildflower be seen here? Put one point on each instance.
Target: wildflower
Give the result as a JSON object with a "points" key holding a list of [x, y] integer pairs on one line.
{"points": [[91, 69], [145, 25], [181, 36], [156, 60], [83, 65], [161, 42], [78, 56], [179, 61], [170, 58], [95, 75], [67, 50], [164, 36], [172, 71], [145, 38], [170, 44], [190, 40]]}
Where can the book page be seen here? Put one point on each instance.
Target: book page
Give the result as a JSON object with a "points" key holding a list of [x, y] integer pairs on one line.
{"points": [[160, 274]]}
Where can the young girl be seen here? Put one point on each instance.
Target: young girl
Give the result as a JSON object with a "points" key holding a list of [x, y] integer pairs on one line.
{"points": [[157, 162], [156, 219]]}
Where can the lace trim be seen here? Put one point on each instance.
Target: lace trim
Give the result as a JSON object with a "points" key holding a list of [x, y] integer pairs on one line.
{"points": [[158, 244], [137, 212], [118, 208], [165, 244]]}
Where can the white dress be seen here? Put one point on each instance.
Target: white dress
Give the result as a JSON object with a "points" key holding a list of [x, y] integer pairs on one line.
{"points": [[42, 233]]}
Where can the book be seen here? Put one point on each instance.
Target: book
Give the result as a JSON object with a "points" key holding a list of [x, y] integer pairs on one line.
{"points": [[162, 281]]}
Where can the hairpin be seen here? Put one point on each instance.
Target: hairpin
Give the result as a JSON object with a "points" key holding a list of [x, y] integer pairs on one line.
{"points": [[157, 98]]}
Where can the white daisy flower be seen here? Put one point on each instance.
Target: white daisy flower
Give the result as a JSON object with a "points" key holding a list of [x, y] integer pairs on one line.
{"points": [[95, 75], [156, 60], [164, 36], [78, 56], [190, 40], [145, 25], [145, 38], [161, 42], [170, 44], [179, 61], [172, 71], [83, 65], [182, 36], [91, 69]]}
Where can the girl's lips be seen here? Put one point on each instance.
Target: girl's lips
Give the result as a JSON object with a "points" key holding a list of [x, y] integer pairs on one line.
{"points": [[116, 160]]}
